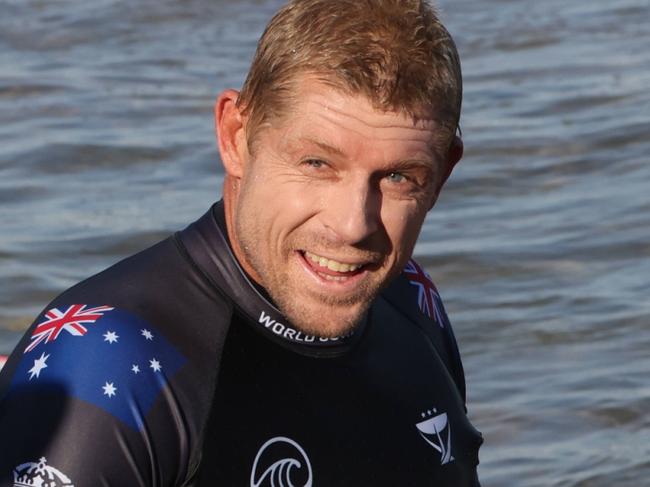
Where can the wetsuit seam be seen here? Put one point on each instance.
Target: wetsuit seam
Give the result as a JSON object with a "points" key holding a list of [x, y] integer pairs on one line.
{"points": [[195, 466]]}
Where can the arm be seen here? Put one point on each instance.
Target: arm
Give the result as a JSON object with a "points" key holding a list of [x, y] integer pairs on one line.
{"points": [[87, 400]]}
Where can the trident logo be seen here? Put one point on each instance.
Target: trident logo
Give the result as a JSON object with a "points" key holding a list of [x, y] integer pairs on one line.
{"points": [[433, 432]]}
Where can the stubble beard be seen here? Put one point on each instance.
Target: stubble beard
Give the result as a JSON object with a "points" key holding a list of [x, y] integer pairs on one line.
{"points": [[329, 316]]}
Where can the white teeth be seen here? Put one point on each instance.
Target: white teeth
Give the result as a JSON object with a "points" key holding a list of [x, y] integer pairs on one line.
{"points": [[333, 278], [332, 265]]}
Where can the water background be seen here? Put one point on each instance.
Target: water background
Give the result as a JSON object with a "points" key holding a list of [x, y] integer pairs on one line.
{"points": [[540, 244]]}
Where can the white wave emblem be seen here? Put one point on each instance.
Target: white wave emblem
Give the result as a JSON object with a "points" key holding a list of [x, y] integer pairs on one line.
{"points": [[283, 471]]}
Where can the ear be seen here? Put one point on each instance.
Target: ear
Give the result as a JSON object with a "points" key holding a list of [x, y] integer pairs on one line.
{"points": [[454, 154], [229, 124]]}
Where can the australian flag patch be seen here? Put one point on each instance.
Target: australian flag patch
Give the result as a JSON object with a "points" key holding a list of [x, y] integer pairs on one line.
{"points": [[102, 355]]}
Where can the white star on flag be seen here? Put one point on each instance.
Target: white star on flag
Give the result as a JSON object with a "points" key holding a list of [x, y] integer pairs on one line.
{"points": [[109, 389], [110, 337], [135, 369], [147, 334], [39, 364], [155, 365]]}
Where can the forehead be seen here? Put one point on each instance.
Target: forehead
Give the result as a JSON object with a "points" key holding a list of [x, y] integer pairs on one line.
{"points": [[318, 109]]}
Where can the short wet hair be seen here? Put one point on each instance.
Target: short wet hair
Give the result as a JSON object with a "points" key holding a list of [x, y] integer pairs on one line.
{"points": [[395, 52]]}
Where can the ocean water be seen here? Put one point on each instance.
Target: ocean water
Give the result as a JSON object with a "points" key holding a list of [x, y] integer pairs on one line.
{"points": [[540, 243]]}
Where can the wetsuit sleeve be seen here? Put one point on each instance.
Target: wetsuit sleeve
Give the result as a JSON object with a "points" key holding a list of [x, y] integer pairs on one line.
{"points": [[87, 400]]}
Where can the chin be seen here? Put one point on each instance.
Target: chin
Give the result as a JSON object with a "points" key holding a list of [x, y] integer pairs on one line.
{"points": [[325, 321]]}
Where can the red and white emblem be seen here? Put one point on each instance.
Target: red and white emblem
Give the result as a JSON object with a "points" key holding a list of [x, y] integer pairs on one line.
{"points": [[428, 297], [71, 320]]}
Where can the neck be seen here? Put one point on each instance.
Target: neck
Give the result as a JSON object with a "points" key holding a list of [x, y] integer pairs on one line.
{"points": [[230, 197]]}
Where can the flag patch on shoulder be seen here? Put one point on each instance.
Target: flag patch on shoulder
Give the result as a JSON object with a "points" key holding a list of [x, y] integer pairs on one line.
{"points": [[72, 320], [107, 357], [429, 301]]}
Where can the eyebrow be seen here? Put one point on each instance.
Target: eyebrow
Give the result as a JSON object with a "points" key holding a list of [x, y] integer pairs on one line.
{"points": [[332, 149]]}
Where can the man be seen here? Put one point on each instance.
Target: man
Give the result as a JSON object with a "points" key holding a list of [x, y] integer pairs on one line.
{"points": [[285, 338]]}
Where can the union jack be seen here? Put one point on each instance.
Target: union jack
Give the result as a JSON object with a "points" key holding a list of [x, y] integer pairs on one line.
{"points": [[428, 297], [70, 320]]}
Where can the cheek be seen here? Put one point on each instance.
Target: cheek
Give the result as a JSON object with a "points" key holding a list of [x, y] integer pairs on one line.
{"points": [[279, 211], [403, 222]]}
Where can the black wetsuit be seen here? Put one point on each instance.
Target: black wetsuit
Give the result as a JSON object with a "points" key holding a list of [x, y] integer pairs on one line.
{"points": [[171, 369]]}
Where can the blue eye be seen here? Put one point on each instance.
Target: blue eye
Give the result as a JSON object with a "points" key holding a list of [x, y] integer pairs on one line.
{"points": [[396, 177], [315, 163]]}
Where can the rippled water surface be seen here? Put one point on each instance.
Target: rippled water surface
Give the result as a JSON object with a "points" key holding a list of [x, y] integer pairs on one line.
{"points": [[540, 243]]}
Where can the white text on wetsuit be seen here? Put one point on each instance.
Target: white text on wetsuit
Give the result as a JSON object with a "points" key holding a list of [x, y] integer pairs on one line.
{"points": [[284, 331]]}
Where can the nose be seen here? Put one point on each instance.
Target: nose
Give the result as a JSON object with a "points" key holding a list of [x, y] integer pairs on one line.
{"points": [[353, 212]]}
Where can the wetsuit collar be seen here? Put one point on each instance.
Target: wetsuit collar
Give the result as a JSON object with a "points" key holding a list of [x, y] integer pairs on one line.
{"points": [[207, 245]]}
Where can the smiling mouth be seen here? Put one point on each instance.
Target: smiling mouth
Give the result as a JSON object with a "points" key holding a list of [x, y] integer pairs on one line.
{"points": [[331, 264], [331, 269]]}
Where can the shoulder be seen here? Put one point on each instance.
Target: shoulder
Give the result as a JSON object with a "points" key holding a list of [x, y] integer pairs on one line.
{"points": [[414, 294], [145, 273], [97, 377], [117, 363], [100, 354], [147, 311]]}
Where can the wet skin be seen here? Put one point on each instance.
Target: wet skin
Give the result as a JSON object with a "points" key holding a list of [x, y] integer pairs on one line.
{"points": [[328, 208]]}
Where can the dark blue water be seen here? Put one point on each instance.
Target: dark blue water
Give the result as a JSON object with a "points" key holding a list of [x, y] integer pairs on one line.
{"points": [[540, 243]]}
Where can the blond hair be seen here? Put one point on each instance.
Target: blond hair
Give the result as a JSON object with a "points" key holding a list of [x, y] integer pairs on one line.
{"points": [[395, 52]]}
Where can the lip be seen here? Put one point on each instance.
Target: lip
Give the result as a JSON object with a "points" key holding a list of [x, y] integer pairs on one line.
{"points": [[329, 278]]}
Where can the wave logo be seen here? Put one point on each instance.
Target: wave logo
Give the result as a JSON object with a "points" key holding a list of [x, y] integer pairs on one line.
{"points": [[281, 462], [436, 431]]}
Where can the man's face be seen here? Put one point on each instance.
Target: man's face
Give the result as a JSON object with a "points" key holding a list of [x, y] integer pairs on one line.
{"points": [[329, 206]]}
